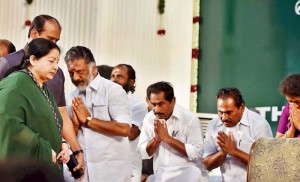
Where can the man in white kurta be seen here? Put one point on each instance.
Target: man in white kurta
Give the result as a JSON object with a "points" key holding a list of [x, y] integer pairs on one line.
{"points": [[139, 110], [124, 75], [251, 127], [103, 115], [230, 136], [173, 136]]}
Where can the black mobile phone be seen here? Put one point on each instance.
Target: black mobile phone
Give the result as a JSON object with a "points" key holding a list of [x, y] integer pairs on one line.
{"points": [[72, 164]]}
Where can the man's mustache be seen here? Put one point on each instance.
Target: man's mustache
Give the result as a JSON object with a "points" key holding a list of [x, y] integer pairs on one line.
{"points": [[227, 121], [77, 82]]}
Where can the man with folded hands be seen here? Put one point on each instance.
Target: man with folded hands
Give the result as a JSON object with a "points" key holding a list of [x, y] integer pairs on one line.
{"points": [[102, 118], [173, 136], [229, 137]]}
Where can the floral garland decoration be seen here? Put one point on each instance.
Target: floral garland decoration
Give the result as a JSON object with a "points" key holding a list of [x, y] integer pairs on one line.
{"points": [[161, 10], [28, 13], [195, 53]]}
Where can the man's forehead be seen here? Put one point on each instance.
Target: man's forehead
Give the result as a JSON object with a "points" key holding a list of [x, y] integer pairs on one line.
{"points": [[157, 96], [226, 101], [79, 63], [51, 30], [72, 65], [116, 71], [157, 101], [120, 70], [224, 109]]}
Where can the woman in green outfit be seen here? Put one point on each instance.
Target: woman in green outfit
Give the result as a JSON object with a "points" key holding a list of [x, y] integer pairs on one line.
{"points": [[30, 123]]}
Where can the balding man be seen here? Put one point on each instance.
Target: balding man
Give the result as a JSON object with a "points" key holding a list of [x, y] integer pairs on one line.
{"points": [[6, 47]]}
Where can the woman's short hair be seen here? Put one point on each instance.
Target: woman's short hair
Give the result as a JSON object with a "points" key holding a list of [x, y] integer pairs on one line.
{"points": [[290, 85]]}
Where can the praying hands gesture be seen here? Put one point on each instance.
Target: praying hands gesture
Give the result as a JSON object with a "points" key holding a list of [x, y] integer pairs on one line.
{"points": [[161, 133], [160, 129], [294, 116], [80, 110], [228, 145], [226, 142]]}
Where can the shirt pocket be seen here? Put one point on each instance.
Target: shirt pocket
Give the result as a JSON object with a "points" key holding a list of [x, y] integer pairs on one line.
{"points": [[100, 111], [245, 144], [181, 137]]}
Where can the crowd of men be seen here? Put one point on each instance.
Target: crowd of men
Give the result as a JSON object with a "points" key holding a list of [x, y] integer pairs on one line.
{"points": [[110, 131]]}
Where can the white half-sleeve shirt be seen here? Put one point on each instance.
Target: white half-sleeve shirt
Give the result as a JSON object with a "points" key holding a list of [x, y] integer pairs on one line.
{"points": [[139, 110], [251, 127], [107, 157]]}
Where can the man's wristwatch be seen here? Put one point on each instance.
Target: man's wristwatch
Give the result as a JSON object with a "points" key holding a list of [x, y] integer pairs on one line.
{"points": [[88, 119]]}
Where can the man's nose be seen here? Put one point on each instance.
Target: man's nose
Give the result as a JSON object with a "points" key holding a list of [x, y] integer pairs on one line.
{"points": [[156, 109], [224, 116], [76, 77]]}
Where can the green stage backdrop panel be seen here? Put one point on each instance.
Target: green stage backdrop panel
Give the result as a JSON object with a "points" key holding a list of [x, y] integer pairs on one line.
{"points": [[251, 45]]}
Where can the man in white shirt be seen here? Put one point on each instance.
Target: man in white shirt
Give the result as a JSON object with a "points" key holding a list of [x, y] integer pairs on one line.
{"points": [[124, 75], [173, 136], [102, 118], [229, 137]]}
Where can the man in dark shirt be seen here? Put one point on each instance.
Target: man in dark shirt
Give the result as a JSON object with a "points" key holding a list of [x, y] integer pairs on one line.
{"points": [[45, 26]]}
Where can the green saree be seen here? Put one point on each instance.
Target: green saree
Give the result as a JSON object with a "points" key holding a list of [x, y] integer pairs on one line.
{"points": [[28, 129]]}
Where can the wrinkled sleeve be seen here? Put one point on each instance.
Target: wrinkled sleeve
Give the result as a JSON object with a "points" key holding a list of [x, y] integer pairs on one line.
{"points": [[119, 107], [145, 137], [138, 114], [194, 145], [209, 146]]}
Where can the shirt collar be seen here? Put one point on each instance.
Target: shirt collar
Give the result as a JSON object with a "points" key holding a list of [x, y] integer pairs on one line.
{"points": [[176, 112], [244, 119], [94, 84]]}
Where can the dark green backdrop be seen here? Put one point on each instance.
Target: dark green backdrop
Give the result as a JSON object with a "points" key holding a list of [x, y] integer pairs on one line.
{"points": [[251, 45]]}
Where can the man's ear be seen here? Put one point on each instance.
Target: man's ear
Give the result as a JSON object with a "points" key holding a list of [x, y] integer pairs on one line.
{"points": [[94, 70], [34, 33], [174, 100], [131, 82], [243, 106]]}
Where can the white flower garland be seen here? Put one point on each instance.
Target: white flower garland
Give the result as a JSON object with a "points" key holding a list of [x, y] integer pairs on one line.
{"points": [[195, 48]]}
